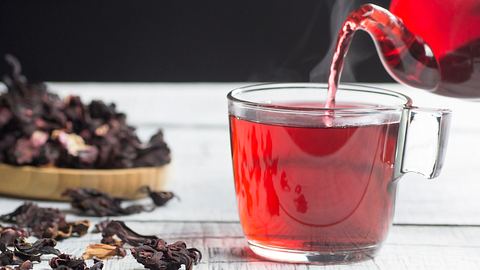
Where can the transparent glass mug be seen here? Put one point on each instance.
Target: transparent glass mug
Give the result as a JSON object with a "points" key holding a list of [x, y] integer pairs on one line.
{"points": [[318, 185]]}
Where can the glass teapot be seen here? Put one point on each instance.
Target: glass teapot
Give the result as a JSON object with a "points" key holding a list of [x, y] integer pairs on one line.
{"points": [[428, 44]]}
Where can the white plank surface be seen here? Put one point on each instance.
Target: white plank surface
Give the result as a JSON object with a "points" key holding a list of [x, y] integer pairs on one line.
{"points": [[223, 247]]}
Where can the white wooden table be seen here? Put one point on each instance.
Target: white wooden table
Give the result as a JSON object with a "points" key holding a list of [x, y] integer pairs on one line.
{"points": [[437, 222]]}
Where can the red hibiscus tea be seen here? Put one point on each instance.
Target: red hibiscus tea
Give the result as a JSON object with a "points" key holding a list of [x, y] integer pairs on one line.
{"points": [[316, 184], [314, 188], [319, 188]]}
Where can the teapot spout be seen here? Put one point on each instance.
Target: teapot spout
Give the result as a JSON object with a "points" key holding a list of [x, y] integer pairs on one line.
{"points": [[405, 56]]}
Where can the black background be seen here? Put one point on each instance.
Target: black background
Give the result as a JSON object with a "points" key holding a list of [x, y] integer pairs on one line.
{"points": [[174, 40]]}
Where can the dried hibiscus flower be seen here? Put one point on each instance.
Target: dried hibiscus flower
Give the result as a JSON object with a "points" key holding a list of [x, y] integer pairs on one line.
{"points": [[92, 202], [158, 255], [9, 234], [68, 262], [159, 198], [26, 265], [45, 222], [7, 257], [39, 128], [149, 250], [117, 229], [32, 252], [103, 251], [24, 253]]}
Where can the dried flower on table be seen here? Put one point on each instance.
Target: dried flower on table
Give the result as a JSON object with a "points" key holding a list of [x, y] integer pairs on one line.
{"points": [[7, 257], [79, 227], [111, 240], [103, 251], [68, 262], [158, 255], [149, 250], [26, 265], [45, 222], [39, 128], [24, 253], [9, 234], [92, 202], [28, 251], [117, 229], [159, 198]]}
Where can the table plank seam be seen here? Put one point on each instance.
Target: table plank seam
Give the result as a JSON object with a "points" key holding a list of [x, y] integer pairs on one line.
{"points": [[236, 221]]}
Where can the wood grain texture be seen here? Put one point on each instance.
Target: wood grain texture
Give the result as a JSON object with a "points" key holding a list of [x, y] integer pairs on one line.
{"points": [[49, 183]]}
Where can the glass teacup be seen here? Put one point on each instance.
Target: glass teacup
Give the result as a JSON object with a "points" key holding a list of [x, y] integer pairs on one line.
{"points": [[318, 185]]}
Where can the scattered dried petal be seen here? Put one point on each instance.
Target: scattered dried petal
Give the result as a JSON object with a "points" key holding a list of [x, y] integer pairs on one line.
{"points": [[79, 228], [9, 234], [26, 265], [24, 253], [118, 229], [68, 262], [159, 198], [28, 251], [91, 202], [112, 240], [157, 255], [45, 222], [103, 251], [7, 257], [149, 250]]}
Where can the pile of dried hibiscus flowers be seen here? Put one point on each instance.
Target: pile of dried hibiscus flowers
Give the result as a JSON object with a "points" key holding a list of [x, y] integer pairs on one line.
{"points": [[50, 224], [38, 128]]}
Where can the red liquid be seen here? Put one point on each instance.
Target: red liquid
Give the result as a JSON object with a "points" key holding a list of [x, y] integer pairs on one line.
{"points": [[460, 71], [405, 56], [445, 25], [449, 65], [452, 29], [314, 188]]}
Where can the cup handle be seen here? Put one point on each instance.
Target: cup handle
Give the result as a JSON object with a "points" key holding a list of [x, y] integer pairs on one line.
{"points": [[426, 136]]}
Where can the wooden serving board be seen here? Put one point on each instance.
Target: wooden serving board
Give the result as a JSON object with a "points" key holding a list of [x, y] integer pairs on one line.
{"points": [[50, 182]]}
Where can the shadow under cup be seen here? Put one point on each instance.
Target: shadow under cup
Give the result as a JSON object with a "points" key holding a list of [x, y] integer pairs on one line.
{"points": [[318, 185]]}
